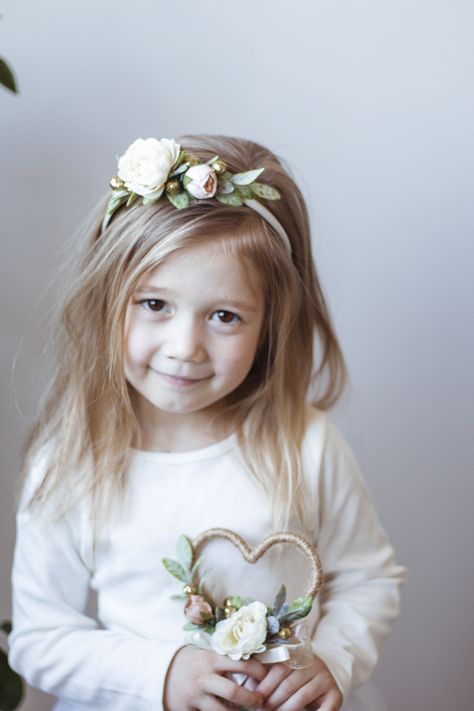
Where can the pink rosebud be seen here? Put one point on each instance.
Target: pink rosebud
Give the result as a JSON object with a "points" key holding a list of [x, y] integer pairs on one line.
{"points": [[202, 181], [197, 610]]}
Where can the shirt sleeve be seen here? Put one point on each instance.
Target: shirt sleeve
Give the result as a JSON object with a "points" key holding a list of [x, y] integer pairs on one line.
{"points": [[360, 596], [54, 645]]}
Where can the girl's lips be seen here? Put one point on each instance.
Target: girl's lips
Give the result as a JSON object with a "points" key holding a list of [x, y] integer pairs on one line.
{"points": [[180, 382]]}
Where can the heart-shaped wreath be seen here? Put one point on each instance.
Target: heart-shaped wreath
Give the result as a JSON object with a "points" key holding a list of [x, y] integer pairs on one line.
{"points": [[240, 627]]}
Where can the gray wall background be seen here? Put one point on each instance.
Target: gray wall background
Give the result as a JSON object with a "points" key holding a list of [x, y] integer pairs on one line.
{"points": [[371, 103]]}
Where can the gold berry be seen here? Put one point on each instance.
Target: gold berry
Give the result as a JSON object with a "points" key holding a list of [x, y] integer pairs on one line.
{"points": [[173, 186], [229, 610], [189, 590], [219, 167], [191, 159], [284, 633], [116, 183]]}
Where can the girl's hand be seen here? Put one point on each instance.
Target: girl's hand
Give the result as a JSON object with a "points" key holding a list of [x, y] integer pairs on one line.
{"points": [[196, 680], [288, 689]]}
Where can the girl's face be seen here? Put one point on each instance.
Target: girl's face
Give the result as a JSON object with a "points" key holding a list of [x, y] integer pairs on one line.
{"points": [[191, 332]]}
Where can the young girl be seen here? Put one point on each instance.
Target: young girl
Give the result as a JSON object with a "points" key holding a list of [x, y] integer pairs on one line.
{"points": [[188, 343]]}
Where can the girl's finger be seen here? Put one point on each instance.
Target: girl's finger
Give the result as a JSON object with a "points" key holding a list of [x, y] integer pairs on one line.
{"points": [[331, 701], [273, 679], [307, 698], [286, 689], [230, 691], [250, 667], [211, 704]]}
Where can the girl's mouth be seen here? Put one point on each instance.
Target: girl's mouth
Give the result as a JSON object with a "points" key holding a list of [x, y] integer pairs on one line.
{"points": [[178, 381]]}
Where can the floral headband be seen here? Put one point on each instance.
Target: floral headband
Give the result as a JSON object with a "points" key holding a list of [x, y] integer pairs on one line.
{"points": [[154, 168]]}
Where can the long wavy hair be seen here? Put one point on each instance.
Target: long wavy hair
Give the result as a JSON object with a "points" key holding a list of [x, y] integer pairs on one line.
{"points": [[87, 421]]}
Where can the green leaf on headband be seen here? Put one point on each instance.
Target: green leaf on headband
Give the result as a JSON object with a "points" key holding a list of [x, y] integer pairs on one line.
{"points": [[180, 169], [265, 191], [184, 551], [176, 569], [180, 200], [117, 199], [212, 160], [244, 191], [247, 177], [225, 187], [150, 200], [131, 199], [232, 199]]}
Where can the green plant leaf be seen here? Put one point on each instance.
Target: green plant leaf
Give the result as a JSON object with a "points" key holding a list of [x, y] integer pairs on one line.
{"points": [[180, 200], [180, 169], [233, 199], [131, 199], [212, 160], [299, 608], [6, 77], [245, 192], [6, 626], [246, 178], [11, 685], [184, 551], [177, 570], [189, 627], [118, 198], [279, 600], [265, 191], [225, 187]]}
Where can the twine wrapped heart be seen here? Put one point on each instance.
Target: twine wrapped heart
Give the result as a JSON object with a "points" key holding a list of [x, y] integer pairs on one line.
{"points": [[253, 555]]}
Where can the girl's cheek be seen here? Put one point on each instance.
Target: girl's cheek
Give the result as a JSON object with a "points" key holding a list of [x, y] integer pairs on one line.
{"points": [[138, 346]]}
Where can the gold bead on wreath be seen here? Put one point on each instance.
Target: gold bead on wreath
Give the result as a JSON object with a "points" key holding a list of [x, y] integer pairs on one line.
{"points": [[284, 633], [229, 610], [173, 186], [189, 590]]}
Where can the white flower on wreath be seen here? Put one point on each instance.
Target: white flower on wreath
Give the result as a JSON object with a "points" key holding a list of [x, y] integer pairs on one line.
{"points": [[201, 181], [146, 164], [243, 633]]}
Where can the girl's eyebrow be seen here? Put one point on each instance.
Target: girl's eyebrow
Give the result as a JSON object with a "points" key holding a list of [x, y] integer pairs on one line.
{"points": [[242, 305]]}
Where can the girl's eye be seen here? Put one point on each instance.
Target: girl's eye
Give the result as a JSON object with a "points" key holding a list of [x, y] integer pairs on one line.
{"points": [[227, 316], [155, 305]]}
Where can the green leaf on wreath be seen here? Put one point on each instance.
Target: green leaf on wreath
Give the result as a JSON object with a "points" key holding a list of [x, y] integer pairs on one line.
{"points": [[265, 191], [184, 551], [299, 608], [279, 600], [246, 178], [177, 570], [245, 192]]}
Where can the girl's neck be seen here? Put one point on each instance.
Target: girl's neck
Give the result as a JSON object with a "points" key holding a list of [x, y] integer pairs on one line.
{"points": [[162, 432]]}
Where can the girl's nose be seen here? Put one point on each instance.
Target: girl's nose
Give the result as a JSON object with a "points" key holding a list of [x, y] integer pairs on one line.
{"points": [[184, 342]]}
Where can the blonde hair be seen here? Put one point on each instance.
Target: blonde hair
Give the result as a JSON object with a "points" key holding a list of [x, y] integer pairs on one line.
{"points": [[88, 423]]}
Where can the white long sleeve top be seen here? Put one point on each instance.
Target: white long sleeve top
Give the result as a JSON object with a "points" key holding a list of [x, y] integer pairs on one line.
{"points": [[120, 663]]}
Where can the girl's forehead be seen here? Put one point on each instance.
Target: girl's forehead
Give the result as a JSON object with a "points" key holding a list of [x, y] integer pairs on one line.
{"points": [[202, 265]]}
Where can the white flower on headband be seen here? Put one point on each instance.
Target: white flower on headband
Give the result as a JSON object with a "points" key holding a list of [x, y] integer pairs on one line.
{"points": [[146, 165], [152, 168], [202, 181]]}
